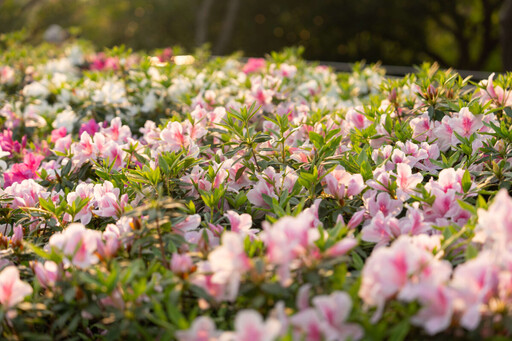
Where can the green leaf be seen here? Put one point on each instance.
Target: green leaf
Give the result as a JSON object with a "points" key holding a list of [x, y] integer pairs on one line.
{"points": [[399, 332], [316, 139], [358, 261], [366, 170], [471, 252]]}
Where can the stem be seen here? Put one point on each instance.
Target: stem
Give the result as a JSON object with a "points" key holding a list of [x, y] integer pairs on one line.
{"points": [[161, 242], [255, 160]]}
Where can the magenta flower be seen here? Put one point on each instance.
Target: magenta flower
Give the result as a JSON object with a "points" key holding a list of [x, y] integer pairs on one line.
{"points": [[91, 127], [253, 65]]}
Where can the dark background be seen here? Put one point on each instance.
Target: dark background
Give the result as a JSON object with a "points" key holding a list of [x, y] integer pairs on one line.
{"points": [[465, 34]]}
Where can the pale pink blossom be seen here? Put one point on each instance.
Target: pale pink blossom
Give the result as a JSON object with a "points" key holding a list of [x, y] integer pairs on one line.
{"points": [[406, 181], [229, 263], [382, 202], [437, 306], [47, 274], [495, 224], [174, 137], [78, 244], [381, 229], [341, 184], [474, 283], [287, 240], [12, 289], [388, 270], [241, 223], [83, 191], [117, 131], [26, 193], [202, 329], [250, 326], [272, 183], [181, 263]]}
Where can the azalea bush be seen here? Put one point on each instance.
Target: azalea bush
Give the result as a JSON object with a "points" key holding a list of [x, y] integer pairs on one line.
{"points": [[157, 196]]}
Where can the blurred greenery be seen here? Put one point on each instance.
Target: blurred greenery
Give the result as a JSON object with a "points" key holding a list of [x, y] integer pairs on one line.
{"points": [[459, 33]]}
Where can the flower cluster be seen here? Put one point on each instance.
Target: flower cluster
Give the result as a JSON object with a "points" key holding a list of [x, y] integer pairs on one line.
{"points": [[250, 200]]}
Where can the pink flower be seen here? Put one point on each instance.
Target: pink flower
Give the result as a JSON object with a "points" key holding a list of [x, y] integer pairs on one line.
{"points": [[382, 202], [414, 222], [229, 262], [249, 326], [390, 269], [174, 137], [496, 93], [17, 236], [422, 127], [110, 242], [12, 289], [334, 311], [241, 223], [190, 223], [18, 173], [357, 119], [58, 134], [465, 123], [308, 323], [78, 244], [495, 224], [381, 229], [91, 127], [356, 219], [326, 320], [202, 329], [272, 183], [84, 150], [9, 145], [474, 282], [253, 65], [181, 263], [437, 306], [26, 193], [63, 144], [47, 274], [82, 191], [107, 200], [115, 155], [342, 247], [342, 184], [287, 240], [117, 132], [7, 75], [406, 181]]}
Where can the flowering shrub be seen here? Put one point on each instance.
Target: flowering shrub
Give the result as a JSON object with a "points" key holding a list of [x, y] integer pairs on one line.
{"points": [[260, 200]]}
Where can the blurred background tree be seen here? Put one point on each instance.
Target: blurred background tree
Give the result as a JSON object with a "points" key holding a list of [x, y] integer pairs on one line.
{"points": [[459, 33]]}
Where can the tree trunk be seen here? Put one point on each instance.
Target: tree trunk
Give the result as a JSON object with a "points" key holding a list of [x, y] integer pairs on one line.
{"points": [[227, 27], [506, 34], [202, 22]]}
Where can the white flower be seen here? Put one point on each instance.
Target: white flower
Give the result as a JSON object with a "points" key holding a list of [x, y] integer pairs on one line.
{"points": [[66, 118], [35, 89]]}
